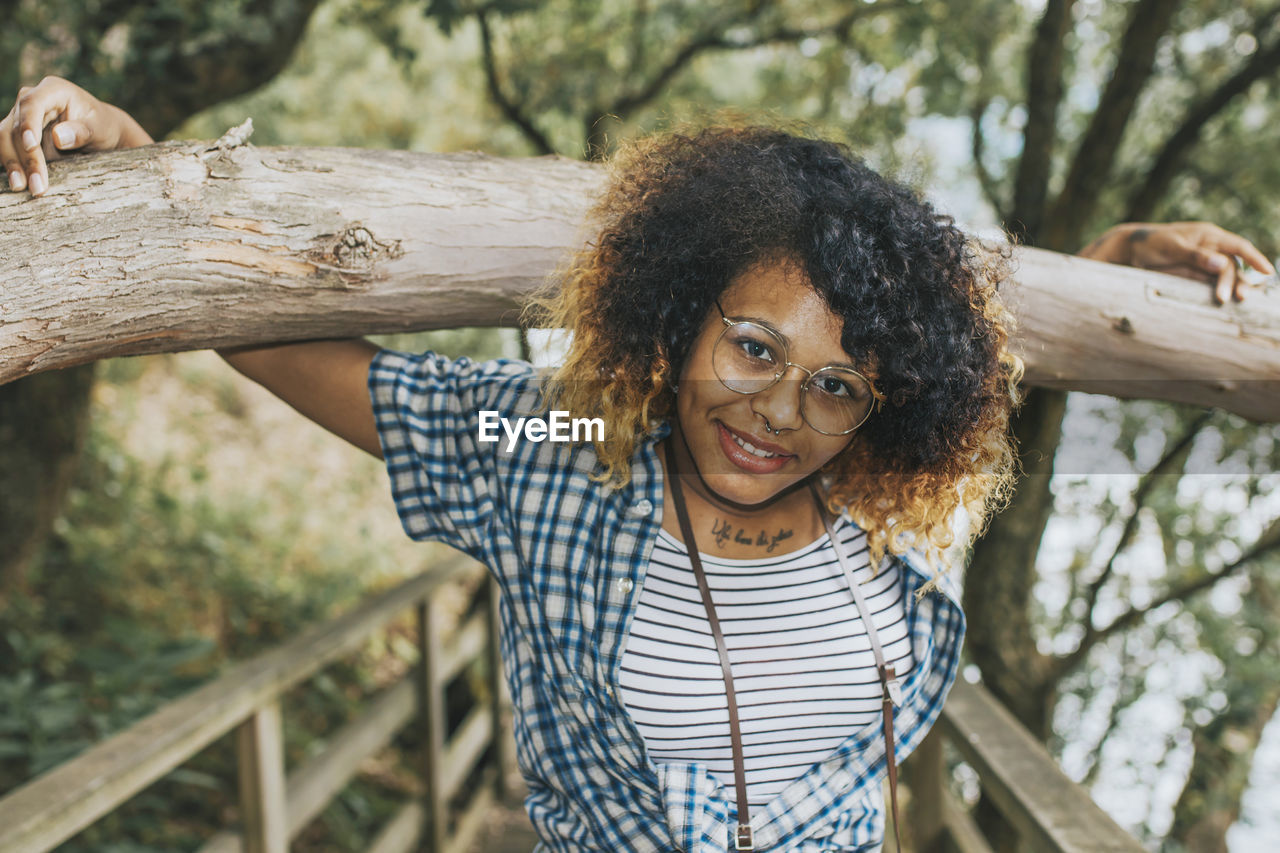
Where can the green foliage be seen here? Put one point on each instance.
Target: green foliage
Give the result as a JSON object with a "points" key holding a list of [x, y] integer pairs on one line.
{"points": [[154, 581], [1192, 666]]}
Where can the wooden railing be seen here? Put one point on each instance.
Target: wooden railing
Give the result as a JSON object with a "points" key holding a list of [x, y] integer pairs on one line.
{"points": [[275, 808], [1050, 812]]}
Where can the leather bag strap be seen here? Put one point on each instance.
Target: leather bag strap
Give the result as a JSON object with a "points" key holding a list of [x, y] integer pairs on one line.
{"points": [[891, 690], [742, 837]]}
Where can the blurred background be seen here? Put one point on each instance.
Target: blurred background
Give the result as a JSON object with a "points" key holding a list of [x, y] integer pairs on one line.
{"points": [[160, 517]]}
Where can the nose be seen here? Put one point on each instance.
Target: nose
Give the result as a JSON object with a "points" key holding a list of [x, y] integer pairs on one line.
{"points": [[779, 404]]}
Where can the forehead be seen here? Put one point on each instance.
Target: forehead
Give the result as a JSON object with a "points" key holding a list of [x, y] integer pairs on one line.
{"points": [[778, 293]]}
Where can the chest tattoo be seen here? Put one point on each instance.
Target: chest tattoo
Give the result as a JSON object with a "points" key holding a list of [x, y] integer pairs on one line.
{"points": [[724, 533]]}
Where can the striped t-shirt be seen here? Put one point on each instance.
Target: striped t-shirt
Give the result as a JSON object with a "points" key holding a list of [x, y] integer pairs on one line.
{"points": [[803, 669]]}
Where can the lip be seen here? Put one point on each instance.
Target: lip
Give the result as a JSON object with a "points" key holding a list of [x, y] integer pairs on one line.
{"points": [[746, 461]]}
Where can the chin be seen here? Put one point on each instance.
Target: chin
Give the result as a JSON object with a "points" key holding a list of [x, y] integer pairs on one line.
{"points": [[751, 490]]}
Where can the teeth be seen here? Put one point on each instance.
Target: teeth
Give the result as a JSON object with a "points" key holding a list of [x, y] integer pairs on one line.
{"points": [[752, 449]]}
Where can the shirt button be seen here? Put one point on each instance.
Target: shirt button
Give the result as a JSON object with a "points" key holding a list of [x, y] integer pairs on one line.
{"points": [[639, 509], [625, 585]]}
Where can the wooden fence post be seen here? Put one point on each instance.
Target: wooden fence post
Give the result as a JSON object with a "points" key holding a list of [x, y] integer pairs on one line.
{"points": [[925, 772], [431, 709], [260, 760]]}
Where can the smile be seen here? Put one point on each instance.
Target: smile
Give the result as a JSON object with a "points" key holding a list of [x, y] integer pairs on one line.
{"points": [[745, 452], [752, 449]]}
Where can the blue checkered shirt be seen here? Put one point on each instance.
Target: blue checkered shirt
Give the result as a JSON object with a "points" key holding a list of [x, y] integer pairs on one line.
{"points": [[570, 557]]}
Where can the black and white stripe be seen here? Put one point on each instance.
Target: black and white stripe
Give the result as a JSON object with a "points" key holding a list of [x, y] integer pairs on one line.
{"points": [[802, 664]]}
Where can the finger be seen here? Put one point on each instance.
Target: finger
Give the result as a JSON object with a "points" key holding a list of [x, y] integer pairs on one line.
{"points": [[1226, 279], [33, 163], [1211, 261], [9, 156], [37, 108], [27, 132], [1234, 244], [70, 135]]}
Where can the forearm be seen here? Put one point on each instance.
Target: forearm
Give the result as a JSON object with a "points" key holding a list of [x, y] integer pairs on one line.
{"points": [[326, 381]]}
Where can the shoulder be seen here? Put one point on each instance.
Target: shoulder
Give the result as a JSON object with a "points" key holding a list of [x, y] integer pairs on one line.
{"points": [[921, 579], [430, 369], [460, 386]]}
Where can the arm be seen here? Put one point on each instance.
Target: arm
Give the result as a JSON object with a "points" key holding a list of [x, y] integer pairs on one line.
{"points": [[324, 380], [1198, 250]]}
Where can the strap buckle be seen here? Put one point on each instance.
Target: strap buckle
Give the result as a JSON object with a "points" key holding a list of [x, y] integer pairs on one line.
{"points": [[742, 839], [894, 689], [892, 686]]}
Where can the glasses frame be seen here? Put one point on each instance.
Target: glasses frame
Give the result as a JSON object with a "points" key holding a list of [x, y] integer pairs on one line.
{"points": [[730, 322]]}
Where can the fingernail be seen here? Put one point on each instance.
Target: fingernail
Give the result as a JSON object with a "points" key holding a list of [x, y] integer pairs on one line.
{"points": [[17, 181], [29, 139], [64, 135], [1217, 262], [37, 184]]}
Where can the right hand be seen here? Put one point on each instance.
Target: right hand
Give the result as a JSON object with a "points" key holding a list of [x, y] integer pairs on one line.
{"points": [[54, 117]]}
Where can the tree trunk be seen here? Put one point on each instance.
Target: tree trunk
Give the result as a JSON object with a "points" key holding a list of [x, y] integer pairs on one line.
{"points": [[186, 246], [161, 68], [43, 421]]}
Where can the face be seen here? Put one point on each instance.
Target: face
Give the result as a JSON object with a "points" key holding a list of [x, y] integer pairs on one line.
{"points": [[717, 423]]}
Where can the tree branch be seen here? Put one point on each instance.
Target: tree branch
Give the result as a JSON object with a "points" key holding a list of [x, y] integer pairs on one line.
{"points": [[1044, 95], [509, 108], [1263, 63], [990, 189], [423, 241], [1174, 457], [1094, 159], [1128, 691], [1269, 541], [714, 40]]}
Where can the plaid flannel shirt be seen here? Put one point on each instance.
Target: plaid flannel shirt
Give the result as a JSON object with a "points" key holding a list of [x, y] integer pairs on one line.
{"points": [[570, 558]]}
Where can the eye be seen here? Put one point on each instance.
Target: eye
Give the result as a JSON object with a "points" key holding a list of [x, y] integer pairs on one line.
{"points": [[755, 349], [833, 387]]}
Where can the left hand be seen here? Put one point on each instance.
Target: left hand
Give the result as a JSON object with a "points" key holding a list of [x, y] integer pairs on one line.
{"points": [[1197, 250]]}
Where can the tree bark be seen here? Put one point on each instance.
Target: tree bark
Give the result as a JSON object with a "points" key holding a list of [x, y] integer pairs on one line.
{"points": [[187, 245]]}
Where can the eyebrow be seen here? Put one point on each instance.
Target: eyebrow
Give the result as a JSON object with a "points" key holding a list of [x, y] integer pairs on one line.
{"points": [[786, 340]]}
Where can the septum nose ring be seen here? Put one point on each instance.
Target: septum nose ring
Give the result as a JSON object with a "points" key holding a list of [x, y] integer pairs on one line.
{"points": [[768, 427]]}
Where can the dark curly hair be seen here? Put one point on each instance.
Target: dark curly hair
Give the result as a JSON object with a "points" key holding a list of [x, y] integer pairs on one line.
{"points": [[685, 213]]}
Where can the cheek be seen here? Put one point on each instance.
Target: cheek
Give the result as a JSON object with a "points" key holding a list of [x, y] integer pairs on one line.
{"points": [[829, 448]]}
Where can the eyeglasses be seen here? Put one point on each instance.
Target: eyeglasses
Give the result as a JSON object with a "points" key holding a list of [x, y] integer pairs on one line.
{"points": [[749, 357]]}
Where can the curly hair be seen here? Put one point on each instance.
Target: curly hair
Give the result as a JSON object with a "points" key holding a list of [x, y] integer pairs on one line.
{"points": [[685, 213]]}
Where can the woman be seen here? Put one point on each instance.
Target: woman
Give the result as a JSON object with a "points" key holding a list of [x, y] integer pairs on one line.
{"points": [[801, 373]]}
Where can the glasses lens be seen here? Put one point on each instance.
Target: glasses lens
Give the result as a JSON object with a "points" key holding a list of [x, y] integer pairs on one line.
{"points": [[748, 358], [836, 400]]}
